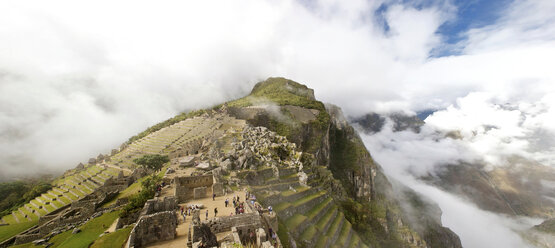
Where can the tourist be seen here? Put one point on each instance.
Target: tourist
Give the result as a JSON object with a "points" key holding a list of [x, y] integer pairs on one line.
{"points": [[206, 214], [215, 212], [226, 202], [213, 197], [270, 209]]}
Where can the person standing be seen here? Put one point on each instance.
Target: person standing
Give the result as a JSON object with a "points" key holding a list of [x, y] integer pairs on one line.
{"points": [[206, 214], [226, 202], [215, 212]]}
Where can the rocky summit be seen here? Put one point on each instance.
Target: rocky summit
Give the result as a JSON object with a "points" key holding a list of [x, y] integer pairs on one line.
{"points": [[276, 168]]}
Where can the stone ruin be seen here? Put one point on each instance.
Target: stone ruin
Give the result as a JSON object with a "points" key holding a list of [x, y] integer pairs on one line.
{"points": [[157, 222], [196, 187], [77, 212], [240, 227]]}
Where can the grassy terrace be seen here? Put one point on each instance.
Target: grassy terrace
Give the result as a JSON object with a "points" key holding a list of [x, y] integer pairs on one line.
{"points": [[89, 233], [326, 218], [133, 188], [22, 223], [344, 234], [301, 201], [115, 239], [7, 232]]}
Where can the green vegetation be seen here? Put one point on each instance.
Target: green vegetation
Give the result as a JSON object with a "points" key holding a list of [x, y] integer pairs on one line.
{"points": [[115, 239], [152, 161], [280, 91], [166, 123], [138, 200], [8, 231], [14, 194], [89, 232]]}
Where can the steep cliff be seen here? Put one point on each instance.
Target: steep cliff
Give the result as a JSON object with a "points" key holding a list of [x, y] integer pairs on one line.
{"points": [[335, 158]]}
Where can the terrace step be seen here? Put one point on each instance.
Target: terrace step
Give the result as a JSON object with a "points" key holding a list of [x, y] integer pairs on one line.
{"points": [[276, 187], [33, 211], [290, 196], [335, 228], [326, 221], [345, 234], [310, 236], [323, 241], [15, 217], [319, 210], [355, 241], [25, 215], [288, 209], [57, 190]]}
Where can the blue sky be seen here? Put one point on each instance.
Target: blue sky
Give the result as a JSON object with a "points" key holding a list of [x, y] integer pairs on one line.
{"points": [[469, 14]]}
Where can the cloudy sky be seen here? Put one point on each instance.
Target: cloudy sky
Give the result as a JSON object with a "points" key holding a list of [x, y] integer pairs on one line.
{"points": [[79, 78]]}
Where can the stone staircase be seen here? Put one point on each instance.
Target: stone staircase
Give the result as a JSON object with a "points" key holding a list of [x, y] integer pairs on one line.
{"points": [[310, 214]]}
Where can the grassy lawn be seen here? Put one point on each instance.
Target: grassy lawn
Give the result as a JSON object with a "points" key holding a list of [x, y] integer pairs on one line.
{"points": [[8, 231], [115, 239], [89, 232]]}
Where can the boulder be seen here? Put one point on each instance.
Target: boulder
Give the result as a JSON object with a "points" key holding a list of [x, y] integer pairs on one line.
{"points": [[76, 230], [203, 166]]}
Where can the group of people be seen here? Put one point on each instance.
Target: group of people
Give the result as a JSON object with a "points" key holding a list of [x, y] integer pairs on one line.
{"points": [[187, 211]]}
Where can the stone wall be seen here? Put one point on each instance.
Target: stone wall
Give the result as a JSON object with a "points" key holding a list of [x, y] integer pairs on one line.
{"points": [[153, 228], [241, 221], [199, 193], [22, 239], [218, 189], [167, 203], [184, 186]]}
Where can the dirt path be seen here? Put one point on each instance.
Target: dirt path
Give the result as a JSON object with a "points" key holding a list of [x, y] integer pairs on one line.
{"points": [[112, 227]]}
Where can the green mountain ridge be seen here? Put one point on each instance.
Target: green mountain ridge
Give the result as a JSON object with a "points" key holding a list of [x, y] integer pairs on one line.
{"points": [[329, 192]]}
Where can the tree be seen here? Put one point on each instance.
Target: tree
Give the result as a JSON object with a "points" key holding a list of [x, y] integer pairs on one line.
{"points": [[152, 161]]}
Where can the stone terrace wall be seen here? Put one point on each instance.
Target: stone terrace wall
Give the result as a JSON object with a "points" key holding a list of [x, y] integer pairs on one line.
{"points": [[159, 205], [153, 228], [242, 221], [184, 186], [22, 239]]}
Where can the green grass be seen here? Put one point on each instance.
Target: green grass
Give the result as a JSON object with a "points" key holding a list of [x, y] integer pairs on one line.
{"points": [[326, 218], [345, 229], [322, 241], [25, 245], [309, 233], [354, 241], [334, 225], [283, 233], [9, 231], [89, 232], [133, 188], [308, 198], [295, 221], [316, 209], [115, 239]]}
